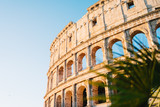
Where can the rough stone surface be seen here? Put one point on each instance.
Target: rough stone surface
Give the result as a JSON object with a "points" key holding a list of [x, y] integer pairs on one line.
{"points": [[105, 23]]}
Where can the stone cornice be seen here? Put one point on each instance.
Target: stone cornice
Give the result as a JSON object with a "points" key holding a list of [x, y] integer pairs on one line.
{"points": [[64, 29]]}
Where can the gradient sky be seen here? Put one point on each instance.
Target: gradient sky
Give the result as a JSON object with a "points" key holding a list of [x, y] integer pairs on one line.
{"points": [[27, 28]]}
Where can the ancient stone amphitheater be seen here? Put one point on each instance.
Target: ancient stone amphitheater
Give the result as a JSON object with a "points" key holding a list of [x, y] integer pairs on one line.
{"points": [[77, 48]]}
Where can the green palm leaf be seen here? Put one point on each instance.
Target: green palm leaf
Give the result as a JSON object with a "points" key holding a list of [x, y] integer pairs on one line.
{"points": [[135, 79]]}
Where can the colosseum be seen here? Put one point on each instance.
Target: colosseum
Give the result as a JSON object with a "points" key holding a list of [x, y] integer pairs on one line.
{"points": [[88, 44]]}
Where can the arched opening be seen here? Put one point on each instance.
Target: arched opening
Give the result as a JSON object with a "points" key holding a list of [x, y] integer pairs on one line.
{"points": [[84, 98], [116, 48], [138, 37], [97, 55], [58, 102], [69, 68], [68, 99], [60, 74], [158, 34], [81, 97], [82, 62], [99, 91]]}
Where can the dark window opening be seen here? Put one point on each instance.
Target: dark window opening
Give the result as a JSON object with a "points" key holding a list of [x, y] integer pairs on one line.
{"points": [[157, 8], [84, 98], [102, 2], [97, 5], [94, 22], [101, 92], [130, 4], [92, 8], [70, 38]]}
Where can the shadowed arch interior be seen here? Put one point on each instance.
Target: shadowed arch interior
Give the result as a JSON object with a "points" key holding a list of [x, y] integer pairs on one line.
{"points": [[81, 62], [99, 90], [69, 68], [68, 99], [58, 102], [60, 74], [97, 55], [81, 97]]}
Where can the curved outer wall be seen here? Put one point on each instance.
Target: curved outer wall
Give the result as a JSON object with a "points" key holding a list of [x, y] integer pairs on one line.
{"points": [[106, 22]]}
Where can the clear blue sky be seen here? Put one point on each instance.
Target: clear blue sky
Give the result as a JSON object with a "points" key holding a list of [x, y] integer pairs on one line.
{"points": [[27, 28]]}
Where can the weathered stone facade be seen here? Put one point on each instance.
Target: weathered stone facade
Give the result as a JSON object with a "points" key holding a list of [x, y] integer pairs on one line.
{"points": [[105, 23]]}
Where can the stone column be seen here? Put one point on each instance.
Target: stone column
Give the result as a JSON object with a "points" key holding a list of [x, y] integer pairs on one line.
{"points": [[54, 99], [89, 56], [74, 101], [76, 34], [89, 94], [59, 49], [89, 34], [63, 97], [49, 102], [51, 81], [106, 57], [127, 41], [46, 103], [153, 27], [65, 70], [57, 79], [105, 27], [75, 64], [123, 13], [108, 92], [108, 52], [66, 41], [149, 35], [152, 33], [48, 85]]}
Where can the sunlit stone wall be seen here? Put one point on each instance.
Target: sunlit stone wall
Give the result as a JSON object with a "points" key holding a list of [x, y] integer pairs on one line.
{"points": [[93, 37]]}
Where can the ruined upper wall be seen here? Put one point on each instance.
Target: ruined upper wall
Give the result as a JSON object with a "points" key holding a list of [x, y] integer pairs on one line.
{"points": [[102, 16]]}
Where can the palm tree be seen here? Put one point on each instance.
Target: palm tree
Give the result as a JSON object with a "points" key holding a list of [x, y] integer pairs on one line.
{"points": [[135, 81]]}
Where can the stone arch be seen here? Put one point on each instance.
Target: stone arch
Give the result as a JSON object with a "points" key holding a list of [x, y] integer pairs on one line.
{"points": [[98, 90], [94, 56], [141, 37], [81, 96], [60, 74], [137, 30], [69, 68], [116, 48], [58, 101], [68, 99], [157, 29], [81, 62], [157, 24]]}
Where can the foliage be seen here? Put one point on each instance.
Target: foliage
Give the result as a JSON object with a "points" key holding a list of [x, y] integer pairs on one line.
{"points": [[134, 81]]}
